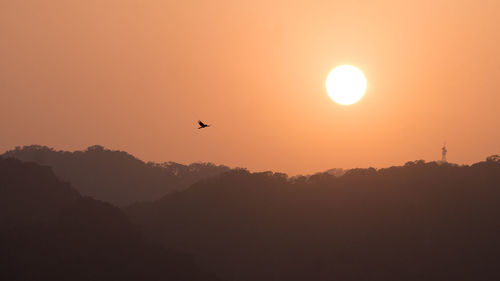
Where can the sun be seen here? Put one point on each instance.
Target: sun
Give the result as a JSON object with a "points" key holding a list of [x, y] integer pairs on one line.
{"points": [[346, 84]]}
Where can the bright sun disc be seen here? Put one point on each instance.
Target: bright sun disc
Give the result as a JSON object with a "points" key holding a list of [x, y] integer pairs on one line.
{"points": [[346, 84]]}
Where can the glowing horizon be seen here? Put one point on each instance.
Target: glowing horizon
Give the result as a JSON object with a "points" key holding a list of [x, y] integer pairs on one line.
{"points": [[137, 76]]}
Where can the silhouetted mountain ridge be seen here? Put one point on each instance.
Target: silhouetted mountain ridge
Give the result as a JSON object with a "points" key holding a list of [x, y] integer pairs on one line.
{"points": [[421, 221], [49, 232], [116, 176], [30, 193]]}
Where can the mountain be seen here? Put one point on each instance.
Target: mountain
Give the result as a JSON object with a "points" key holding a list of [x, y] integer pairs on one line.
{"points": [[116, 176], [30, 193], [49, 232], [420, 221]]}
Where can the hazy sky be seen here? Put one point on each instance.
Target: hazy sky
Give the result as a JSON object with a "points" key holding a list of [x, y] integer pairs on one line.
{"points": [[136, 75]]}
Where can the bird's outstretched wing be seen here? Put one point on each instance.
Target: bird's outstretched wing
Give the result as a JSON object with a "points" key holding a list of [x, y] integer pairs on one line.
{"points": [[201, 123]]}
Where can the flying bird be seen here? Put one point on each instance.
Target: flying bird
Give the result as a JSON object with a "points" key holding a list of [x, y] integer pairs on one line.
{"points": [[202, 125]]}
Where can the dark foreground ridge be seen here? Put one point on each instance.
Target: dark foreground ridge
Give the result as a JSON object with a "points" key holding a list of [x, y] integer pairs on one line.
{"points": [[116, 176], [49, 232], [422, 221]]}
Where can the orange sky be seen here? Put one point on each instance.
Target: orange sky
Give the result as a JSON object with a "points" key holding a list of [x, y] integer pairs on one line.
{"points": [[136, 75]]}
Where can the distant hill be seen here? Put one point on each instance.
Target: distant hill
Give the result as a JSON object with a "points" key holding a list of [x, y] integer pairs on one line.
{"points": [[116, 176], [421, 221], [49, 232]]}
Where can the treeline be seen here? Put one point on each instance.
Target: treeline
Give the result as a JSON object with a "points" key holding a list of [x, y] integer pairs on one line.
{"points": [[116, 176], [49, 232], [421, 221]]}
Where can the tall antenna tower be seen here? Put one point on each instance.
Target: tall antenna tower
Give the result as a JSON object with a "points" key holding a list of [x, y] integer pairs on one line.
{"points": [[443, 154]]}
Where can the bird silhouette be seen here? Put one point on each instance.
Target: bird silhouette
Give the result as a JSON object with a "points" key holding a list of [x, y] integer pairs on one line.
{"points": [[202, 125]]}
